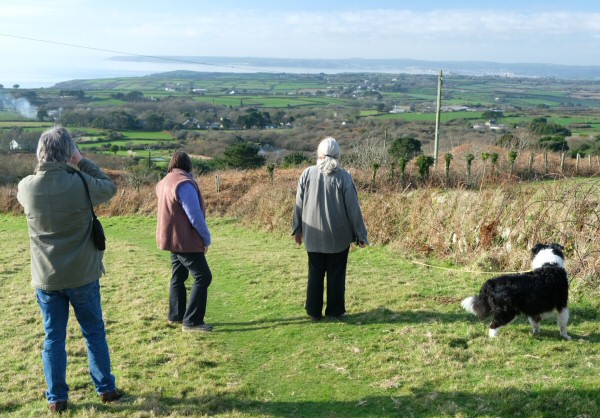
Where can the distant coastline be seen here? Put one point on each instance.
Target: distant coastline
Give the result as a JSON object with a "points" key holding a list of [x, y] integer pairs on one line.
{"points": [[406, 66], [139, 66]]}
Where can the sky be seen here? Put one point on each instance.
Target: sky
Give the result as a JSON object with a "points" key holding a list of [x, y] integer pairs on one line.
{"points": [[56, 38]]}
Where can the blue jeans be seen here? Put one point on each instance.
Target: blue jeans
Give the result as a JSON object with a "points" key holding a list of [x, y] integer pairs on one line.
{"points": [[190, 313], [88, 311]]}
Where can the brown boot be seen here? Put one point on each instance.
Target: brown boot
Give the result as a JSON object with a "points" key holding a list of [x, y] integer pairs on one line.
{"points": [[112, 396], [58, 407]]}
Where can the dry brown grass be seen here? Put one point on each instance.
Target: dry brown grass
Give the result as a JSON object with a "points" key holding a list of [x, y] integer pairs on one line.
{"points": [[488, 226], [490, 229], [8, 199]]}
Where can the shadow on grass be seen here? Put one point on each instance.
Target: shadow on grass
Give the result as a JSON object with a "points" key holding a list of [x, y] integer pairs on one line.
{"points": [[421, 402], [384, 315], [258, 324], [375, 316]]}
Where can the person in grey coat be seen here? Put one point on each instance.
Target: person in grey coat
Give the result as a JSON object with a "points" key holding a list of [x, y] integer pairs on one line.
{"points": [[328, 218], [65, 265]]}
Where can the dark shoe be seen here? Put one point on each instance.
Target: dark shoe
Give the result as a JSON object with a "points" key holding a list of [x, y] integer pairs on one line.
{"points": [[197, 328], [58, 407], [315, 318], [112, 396], [337, 317]]}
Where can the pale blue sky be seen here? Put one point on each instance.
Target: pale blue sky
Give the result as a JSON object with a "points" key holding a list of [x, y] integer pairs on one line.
{"points": [[507, 31]]}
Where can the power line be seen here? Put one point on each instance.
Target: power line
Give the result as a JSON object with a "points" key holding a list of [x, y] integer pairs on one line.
{"points": [[130, 53]]}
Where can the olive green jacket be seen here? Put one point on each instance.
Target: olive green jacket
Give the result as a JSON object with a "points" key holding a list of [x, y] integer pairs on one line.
{"points": [[60, 223]]}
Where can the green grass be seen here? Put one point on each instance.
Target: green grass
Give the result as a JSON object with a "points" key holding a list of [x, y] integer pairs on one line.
{"points": [[155, 136], [444, 116], [406, 348], [268, 101], [23, 123]]}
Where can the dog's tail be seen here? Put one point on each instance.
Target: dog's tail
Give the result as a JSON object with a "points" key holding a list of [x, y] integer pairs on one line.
{"points": [[476, 306]]}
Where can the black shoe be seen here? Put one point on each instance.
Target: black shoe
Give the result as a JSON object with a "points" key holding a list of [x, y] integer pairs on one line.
{"points": [[112, 396], [337, 317], [58, 407], [197, 328], [315, 318]]}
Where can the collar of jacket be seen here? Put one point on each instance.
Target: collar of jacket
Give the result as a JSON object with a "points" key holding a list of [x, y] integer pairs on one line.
{"points": [[185, 173], [53, 166]]}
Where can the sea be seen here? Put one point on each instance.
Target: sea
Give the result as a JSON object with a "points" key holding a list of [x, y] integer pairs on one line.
{"points": [[50, 73]]}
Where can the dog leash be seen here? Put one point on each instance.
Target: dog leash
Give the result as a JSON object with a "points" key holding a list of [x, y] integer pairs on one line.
{"points": [[570, 280], [465, 271]]}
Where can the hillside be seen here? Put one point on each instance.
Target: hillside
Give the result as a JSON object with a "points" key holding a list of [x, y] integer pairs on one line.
{"points": [[486, 229], [405, 349]]}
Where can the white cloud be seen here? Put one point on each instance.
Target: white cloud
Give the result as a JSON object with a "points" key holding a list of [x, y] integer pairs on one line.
{"points": [[200, 29]]}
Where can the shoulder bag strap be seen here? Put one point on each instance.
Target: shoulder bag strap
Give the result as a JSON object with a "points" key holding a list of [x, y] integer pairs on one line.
{"points": [[87, 192]]}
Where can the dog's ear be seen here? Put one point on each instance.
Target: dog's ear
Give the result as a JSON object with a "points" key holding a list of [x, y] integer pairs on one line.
{"points": [[557, 249], [537, 248]]}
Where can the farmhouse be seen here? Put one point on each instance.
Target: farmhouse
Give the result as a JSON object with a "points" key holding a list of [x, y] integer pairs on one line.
{"points": [[491, 125], [455, 108], [400, 109], [192, 123]]}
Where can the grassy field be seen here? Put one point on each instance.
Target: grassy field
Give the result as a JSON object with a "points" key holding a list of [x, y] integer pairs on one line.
{"points": [[268, 101], [406, 348], [444, 116], [11, 122]]}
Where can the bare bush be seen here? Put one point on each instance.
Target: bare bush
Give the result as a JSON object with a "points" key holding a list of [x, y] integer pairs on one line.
{"points": [[13, 167], [490, 227], [363, 154]]}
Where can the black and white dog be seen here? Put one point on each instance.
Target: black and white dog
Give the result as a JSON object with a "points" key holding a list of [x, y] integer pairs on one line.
{"points": [[533, 293]]}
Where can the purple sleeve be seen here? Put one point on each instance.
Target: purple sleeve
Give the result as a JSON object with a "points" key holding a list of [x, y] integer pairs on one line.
{"points": [[187, 195]]}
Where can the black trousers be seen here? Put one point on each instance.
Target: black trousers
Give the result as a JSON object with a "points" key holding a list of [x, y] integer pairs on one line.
{"points": [[193, 312], [334, 265]]}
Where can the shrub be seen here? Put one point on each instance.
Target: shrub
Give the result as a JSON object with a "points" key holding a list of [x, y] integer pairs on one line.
{"points": [[294, 159], [243, 155], [424, 163]]}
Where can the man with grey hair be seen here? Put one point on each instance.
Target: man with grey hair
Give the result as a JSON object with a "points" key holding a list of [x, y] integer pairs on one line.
{"points": [[328, 217], [65, 265]]}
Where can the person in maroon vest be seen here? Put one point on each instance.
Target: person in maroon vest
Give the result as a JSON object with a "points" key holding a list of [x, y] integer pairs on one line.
{"points": [[182, 230]]}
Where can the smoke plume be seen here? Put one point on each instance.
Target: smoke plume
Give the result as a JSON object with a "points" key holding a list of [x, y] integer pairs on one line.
{"points": [[20, 105]]}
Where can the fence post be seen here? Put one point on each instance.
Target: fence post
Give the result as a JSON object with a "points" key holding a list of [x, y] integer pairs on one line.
{"points": [[218, 183], [271, 171], [562, 162], [577, 163], [530, 161], [375, 167]]}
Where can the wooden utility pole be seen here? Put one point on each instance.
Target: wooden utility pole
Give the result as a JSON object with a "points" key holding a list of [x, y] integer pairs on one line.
{"points": [[436, 142]]}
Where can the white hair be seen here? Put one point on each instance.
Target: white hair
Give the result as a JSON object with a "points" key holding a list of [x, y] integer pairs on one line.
{"points": [[55, 145], [328, 155]]}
